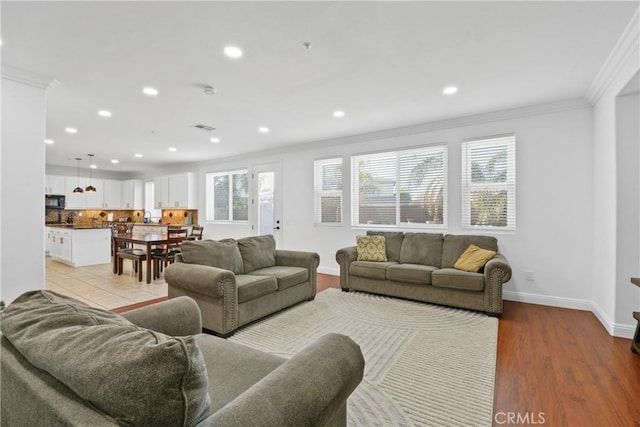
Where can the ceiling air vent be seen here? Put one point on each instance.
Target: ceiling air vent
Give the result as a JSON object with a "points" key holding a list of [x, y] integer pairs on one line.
{"points": [[204, 127]]}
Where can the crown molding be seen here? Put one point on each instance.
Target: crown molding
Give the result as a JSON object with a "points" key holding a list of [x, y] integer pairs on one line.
{"points": [[627, 45], [28, 78]]}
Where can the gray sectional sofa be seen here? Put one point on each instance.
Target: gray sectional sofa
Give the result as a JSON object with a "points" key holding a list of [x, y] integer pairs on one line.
{"points": [[420, 266], [235, 282], [67, 364]]}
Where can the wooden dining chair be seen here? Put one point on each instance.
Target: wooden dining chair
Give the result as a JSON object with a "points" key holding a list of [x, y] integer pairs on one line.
{"points": [[167, 253], [124, 251], [196, 232]]}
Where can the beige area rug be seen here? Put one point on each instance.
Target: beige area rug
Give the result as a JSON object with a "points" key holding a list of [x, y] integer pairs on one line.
{"points": [[426, 365]]}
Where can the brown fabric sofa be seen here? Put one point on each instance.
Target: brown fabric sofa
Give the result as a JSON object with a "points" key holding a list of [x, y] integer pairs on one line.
{"points": [[67, 364], [420, 266], [235, 282]]}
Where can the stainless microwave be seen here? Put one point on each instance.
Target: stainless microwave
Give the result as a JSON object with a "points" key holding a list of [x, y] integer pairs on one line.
{"points": [[52, 201]]}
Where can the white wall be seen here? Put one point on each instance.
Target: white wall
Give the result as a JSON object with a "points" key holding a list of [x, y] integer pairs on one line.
{"points": [[628, 209], [621, 66], [22, 177], [554, 180]]}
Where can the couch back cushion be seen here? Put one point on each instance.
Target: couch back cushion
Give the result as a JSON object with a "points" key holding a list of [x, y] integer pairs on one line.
{"points": [[133, 375], [421, 248], [223, 254], [455, 245], [393, 241], [257, 252]]}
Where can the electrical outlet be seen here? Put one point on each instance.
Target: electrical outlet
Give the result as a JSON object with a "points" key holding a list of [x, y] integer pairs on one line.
{"points": [[529, 276]]}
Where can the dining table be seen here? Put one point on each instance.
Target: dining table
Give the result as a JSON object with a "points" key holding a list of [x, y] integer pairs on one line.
{"points": [[148, 240]]}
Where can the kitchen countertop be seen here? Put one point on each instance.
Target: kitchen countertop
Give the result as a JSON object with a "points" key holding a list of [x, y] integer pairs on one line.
{"points": [[77, 227]]}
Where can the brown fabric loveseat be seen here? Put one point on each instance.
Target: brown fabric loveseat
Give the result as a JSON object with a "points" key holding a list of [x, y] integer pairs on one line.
{"points": [[420, 266], [235, 282]]}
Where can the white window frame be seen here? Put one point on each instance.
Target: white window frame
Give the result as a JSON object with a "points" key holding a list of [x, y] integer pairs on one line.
{"points": [[468, 187], [210, 196], [355, 187], [319, 192]]}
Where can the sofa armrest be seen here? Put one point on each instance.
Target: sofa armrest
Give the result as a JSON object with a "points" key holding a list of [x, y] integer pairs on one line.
{"points": [[309, 260], [498, 266], [345, 257], [307, 390], [201, 279], [176, 317]]}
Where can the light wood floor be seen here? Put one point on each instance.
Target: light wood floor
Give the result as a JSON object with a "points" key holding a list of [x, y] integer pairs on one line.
{"points": [[555, 366]]}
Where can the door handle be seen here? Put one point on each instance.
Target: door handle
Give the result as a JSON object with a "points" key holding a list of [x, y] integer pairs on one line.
{"points": [[276, 228]]}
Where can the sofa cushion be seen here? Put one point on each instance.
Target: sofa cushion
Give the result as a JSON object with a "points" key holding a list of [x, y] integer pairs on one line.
{"points": [[257, 252], [393, 242], [251, 286], [411, 273], [473, 259], [223, 254], [457, 279], [421, 248], [286, 276], [455, 245], [371, 248], [109, 362], [369, 269]]}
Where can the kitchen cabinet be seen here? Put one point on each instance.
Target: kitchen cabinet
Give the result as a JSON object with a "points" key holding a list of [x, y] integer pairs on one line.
{"points": [[175, 191], [79, 247], [112, 194], [133, 194], [54, 184], [94, 200], [75, 200]]}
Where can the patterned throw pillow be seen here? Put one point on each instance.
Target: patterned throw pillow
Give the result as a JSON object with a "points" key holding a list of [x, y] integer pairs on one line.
{"points": [[473, 259], [371, 248]]}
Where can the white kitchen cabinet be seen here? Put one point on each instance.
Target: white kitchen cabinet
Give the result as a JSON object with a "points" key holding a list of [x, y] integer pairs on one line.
{"points": [[112, 194], [54, 184], [175, 191], [75, 200], [94, 200], [133, 194], [79, 247]]}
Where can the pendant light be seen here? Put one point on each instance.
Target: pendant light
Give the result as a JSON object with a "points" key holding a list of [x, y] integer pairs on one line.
{"points": [[90, 188], [78, 189]]}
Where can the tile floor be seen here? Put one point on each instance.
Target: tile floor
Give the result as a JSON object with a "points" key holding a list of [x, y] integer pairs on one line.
{"points": [[97, 286]]}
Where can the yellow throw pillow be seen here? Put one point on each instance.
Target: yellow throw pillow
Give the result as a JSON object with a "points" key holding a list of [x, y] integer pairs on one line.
{"points": [[473, 259], [371, 248]]}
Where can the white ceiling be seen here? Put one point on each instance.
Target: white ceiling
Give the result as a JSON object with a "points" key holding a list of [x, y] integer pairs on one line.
{"points": [[384, 63]]}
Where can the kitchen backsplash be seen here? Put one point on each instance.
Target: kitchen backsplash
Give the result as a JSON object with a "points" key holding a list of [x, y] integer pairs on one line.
{"points": [[87, 217]]}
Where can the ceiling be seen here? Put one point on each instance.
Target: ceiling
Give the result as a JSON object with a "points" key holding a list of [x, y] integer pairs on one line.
{"points": [[384, 64]]}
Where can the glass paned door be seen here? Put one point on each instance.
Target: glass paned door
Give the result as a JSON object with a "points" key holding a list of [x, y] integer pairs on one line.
{"points": [[267, 201]]}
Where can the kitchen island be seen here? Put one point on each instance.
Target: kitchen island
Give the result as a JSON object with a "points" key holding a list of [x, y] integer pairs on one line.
{"points": [[78, 246]]}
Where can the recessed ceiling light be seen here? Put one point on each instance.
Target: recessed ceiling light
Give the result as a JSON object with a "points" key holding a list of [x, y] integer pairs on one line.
{"points": [[104, 113], [215, 140], [150, 91], [263, 129], [114, 161], [71, 130], [338, 113], [449, 90], [138, 155], [173, 149], [233, 52], [93, 166], [48, 141]]}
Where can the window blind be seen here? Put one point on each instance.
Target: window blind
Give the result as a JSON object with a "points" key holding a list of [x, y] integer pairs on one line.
{"points": [[328, 191], [489, 183], [400, 188]]}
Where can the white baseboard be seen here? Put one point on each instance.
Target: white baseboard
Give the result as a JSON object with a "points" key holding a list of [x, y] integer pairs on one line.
{"points": [[574, 303], [620, 330], [329, 270]]}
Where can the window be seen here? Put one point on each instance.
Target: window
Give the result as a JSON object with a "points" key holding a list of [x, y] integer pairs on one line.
{"points": [[228, 196], [400, 188], [489, 183], [328, 191], [148, 201]]}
